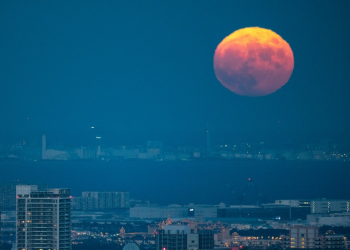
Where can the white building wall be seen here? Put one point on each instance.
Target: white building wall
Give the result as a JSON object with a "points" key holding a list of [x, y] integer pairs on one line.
{"points": [[328, 206]]}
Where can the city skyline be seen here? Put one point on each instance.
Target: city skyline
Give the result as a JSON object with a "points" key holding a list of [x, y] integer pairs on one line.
{"points": [[156, 129]]}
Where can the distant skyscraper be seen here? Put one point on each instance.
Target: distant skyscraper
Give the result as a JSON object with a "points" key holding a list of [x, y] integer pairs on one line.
{"points": [[207, 141], [43, 218]]}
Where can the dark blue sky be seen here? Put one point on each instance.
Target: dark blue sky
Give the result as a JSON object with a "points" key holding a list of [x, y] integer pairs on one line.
{"points": [[146, 67]]}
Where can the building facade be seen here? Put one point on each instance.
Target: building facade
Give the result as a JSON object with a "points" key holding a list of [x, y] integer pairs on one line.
{"points": [[43, 218], [7, 196], [101, 200], [205, 239], [180, 237], [334, 242], [267, 211], [329, 206], [304, 237], [329, 219]]}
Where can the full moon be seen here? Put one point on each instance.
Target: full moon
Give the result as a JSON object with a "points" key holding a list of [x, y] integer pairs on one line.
{"points": [[253, 62]]}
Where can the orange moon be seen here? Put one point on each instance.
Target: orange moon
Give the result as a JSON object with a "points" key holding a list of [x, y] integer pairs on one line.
{"points": [[253, 62]]}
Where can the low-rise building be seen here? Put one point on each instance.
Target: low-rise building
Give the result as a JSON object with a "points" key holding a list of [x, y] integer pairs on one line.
{"points": [[303, 237], [334, 241], [329, 206], [334, 219]]}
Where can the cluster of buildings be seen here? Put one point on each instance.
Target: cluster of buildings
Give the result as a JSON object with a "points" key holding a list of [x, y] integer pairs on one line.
{"points": [[315, 211], [43, 220], [152, 150], [155, 150], [185, 234]]}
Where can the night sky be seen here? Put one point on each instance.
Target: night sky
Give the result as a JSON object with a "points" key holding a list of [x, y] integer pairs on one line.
{"points": [[146, 68]]}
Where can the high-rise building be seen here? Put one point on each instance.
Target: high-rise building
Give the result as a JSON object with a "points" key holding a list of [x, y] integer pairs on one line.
{"points": [[180, 237], [43, 218]]}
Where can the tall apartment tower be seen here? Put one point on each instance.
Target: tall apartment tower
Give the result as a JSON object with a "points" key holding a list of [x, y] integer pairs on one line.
{"points": [[43, 218]]}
